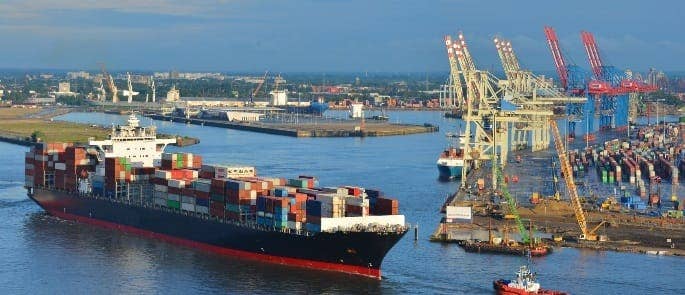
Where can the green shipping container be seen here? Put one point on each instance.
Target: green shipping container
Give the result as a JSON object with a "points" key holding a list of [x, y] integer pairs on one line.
{"points": [[173, 204], [682, 119], [217, 197]]}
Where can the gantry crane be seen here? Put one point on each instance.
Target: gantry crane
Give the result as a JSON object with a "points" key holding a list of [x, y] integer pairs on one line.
{"points": [[110, 83], [535, 95], [571, 186], [573, 81], [454, 91]]}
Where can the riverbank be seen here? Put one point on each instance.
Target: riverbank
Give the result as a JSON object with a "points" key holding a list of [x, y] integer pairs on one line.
{"points": [[343, 128], [17, 125]]}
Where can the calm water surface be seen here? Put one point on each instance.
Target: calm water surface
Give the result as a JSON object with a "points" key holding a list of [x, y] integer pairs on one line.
{"points": [[40, 254]]}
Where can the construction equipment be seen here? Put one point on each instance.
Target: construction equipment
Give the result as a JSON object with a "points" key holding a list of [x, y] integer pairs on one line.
{"points": [[259, 86], [110, 83], [511, 203], [567, 172]]}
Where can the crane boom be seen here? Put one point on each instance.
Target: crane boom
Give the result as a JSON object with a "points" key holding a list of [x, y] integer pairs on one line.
{"points": [[454, 71], [259, 86], [592, 53], [525, 237], [558, 57], [570, 184]]}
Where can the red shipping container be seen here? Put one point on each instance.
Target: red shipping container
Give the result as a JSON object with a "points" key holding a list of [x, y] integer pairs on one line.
{"points": [[216, 212], [313, 219], [188, 192], [202, 195], [174, 190]]}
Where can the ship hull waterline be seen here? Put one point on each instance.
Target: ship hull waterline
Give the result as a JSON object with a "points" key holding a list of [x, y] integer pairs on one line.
{"points": [[449, 172], [356, 253]]}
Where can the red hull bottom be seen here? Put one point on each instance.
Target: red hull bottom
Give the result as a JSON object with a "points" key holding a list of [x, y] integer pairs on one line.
{"points": [[502, 289], [350, 269]]}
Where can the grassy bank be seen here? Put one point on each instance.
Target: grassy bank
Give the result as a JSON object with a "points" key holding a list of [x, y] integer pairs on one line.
{"points": [[18, 122]]}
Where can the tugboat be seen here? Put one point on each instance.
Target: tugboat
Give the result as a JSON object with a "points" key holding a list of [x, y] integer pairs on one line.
{"points": [[451, 160], [525, 283]]}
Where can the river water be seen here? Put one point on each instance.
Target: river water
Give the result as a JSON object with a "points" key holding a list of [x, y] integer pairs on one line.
{"points": [[40, 254]]}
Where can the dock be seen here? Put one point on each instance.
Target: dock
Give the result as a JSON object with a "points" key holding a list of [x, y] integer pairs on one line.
{"points": [[338, 128], [629, 230]]}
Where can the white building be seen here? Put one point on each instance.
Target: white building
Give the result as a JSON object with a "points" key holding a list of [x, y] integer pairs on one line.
{"points": [[279, 97], [356, 110], [243, 116], [64, 87], [173, 94]]}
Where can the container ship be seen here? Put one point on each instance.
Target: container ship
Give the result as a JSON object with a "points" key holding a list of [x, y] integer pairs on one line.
{"points": [[127, 182]]}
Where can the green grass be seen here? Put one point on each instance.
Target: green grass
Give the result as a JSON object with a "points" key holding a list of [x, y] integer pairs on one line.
{"points": [[53, 131]]}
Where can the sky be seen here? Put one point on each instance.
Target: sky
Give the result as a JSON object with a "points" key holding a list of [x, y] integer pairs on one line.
{"points": [[330, 35]]}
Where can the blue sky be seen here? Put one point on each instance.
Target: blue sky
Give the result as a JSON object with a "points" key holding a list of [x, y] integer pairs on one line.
{"points": [[331, 36]]}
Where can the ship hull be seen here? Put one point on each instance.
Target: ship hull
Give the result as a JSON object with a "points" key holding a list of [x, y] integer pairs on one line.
{"points": [[501, 288], [449, 172], [358, 253]]}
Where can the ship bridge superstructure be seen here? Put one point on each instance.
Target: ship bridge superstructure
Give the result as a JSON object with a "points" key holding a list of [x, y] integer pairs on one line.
{"points": [[138, 144]]}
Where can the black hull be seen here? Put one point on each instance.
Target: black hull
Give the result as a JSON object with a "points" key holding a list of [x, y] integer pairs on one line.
{"points": [[359, 253]]}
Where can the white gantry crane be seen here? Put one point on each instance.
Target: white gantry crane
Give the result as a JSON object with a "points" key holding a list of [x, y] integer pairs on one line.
{"points": [[129, 92]]}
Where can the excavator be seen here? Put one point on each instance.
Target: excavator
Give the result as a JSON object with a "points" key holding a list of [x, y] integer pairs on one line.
{"points": [[567, 172]]}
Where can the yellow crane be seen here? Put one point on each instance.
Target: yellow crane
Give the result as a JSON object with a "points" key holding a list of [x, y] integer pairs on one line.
{"points": [[571, 186]]}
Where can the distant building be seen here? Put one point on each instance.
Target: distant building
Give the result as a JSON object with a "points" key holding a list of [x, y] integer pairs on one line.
{"points": [[173, 94], [657, 78], [78, 75], [64, 87]]}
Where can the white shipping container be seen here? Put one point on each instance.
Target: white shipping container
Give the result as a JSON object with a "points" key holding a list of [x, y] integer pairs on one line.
{"points": [[328, 224], [201, 209], [177, 183], [189, 163], [161, 188], [29, 166], [188, 207], [357, 202], [173, 197], [454, 212], [295, 225], [51, 164], [160, 202], [163, 174], [161, 195], [55, 157], [186, 199], [234, 171], [60, 166], [41, 158], [202, 185]]}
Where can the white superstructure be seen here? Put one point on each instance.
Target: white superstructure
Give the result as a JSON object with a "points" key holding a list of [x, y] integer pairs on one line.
{"points": [[139, 144]]}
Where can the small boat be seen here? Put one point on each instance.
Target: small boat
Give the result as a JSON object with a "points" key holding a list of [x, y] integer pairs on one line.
{"points": [[525, 283]]}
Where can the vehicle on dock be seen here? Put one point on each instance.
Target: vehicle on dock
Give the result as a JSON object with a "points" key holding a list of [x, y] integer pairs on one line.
{"points": [[525, 283]]}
